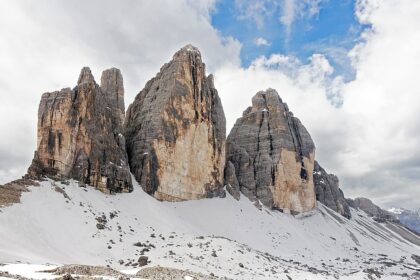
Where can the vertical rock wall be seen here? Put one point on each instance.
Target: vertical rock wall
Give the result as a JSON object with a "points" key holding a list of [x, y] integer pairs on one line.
{"points": [[80, 133], [272, 156], [328, 192], [175, 131]]}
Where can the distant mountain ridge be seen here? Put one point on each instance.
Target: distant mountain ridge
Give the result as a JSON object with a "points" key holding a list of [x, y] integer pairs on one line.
{"points": [[409, 218]]}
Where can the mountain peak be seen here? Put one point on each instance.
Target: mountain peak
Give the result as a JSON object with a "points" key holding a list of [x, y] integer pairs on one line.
{"points": [[187, 51], [176, 131], [272, 156], [85, 76], [86, 113], [266, 100]]}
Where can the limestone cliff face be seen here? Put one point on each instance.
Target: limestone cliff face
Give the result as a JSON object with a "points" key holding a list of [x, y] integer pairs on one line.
{"points": [[113, 87], [328, 192], [175, 131], [272, 155], [80, 133]]}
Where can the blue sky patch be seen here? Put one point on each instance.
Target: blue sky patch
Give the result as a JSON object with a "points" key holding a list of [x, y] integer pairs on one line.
{"points": [[330, 28]]}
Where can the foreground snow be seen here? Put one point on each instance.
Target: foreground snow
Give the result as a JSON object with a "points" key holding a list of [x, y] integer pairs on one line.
{"points": [[221, 236]]}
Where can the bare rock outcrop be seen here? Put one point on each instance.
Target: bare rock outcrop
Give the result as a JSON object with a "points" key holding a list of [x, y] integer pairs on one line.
{"points": [[87, 270], [11, 192], [166, 273], [328, 192], [80, 133], [175, 131], [272, 155]]}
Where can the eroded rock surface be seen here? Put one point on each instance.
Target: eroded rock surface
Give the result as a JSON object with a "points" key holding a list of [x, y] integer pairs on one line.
{"points": [[175, 131], [10, 193], [328, 192], [166, 273], [80, 133], [273, 155], [87, 270]]}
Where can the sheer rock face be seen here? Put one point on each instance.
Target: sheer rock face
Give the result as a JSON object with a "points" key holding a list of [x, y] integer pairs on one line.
{"points": [[175, 131], [231, 181], [328, 192], [113, 87], [80, 133], [272, 155]]}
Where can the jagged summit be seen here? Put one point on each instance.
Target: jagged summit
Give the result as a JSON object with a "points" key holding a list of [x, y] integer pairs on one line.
{"points": [[85, 76], [272, 155], [80, 134], [265, 100], [188, 53], [188, 49], [175, 131]]}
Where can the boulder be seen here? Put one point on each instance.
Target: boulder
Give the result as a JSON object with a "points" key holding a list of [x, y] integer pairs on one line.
{"points": [[272, 155], [80, 134], [175, 131]]}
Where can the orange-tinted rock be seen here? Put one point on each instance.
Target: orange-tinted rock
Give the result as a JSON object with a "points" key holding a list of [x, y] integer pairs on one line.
{"points": [[80, 134], [175, 131]]}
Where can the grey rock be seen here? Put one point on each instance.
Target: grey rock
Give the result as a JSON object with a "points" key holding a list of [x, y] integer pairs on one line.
{"points": [[143, 260], [175, 132], [374, 211], [113, 86], [166, 273], [80, 134], [272, 155], [328, 192], [232, 184], [87, 270]]}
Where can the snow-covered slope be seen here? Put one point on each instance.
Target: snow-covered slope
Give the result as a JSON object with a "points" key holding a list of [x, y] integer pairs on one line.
{"points": [[61, 224]]}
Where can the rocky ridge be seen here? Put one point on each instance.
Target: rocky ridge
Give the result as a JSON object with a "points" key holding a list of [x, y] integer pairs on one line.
{"points": [[270, 156], [175, 131], [80, 134], [373, 210]]}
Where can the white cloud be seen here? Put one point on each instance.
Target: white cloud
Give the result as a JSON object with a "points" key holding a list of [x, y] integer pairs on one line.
{"points": [[261, 42], [372, 140], [45, 44], [292, 10], [259, 11], [288, 16], [256, 10]]}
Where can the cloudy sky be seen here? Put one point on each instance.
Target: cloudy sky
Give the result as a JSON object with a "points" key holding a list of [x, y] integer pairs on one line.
{"points": [[348, 69]]}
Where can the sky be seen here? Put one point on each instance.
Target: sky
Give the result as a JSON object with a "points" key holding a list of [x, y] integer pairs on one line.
{"points": [[347, 69]]}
